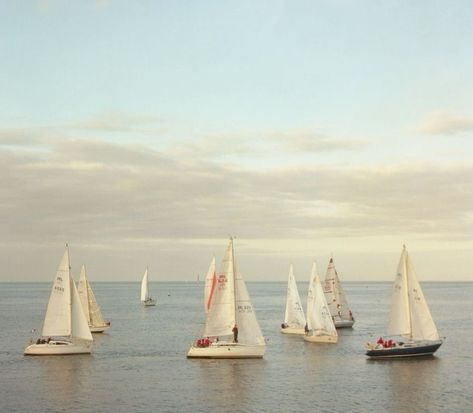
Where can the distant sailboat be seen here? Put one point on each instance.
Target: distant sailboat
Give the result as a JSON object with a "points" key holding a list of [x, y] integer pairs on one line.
{"points": [[210, 282], [319, 320], [336, 299], [410, 319], [92, 312], [146, 298], [231, 329], [294, 319], [65, 328]]}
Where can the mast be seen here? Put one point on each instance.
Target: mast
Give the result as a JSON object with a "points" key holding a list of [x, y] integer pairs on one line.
{"points": [[234, 283], [404, 263]]}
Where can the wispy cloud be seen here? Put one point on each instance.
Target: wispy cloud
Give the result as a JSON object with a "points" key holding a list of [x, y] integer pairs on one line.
{"points": [[444, 123]]}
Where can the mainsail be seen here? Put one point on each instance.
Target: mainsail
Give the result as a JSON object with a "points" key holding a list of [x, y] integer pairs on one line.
{"points": [[144, 286], [319, 319], [410, 316], [57, 321], [334, 294], [220, 318], [294, 315], [89, 303]]}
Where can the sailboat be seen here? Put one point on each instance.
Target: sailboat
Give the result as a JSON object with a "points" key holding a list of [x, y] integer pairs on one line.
{"points": [[65, 328], [231, 328], [92, 312], [336, 300], [410, 319], [210, 282], [294, 319], [146, 298], [320, 326]]}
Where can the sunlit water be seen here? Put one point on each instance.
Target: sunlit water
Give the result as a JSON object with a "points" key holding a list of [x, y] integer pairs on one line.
{"points": [[140, 365]]}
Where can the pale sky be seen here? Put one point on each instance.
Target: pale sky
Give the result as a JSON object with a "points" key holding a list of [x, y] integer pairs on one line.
{"points": [[144, 133]]}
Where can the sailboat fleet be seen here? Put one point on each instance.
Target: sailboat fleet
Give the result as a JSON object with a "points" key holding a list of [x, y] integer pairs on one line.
{"points": [[231, 329]]}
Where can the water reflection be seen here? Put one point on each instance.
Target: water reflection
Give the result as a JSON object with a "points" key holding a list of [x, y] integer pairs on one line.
{"points": [[62, 378], [233, 383], [410, 382]]}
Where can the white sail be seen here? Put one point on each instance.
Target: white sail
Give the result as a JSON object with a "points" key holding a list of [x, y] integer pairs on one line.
{"points": [[319, 319], [144, 286], [249, 331], [92, 311], [84, 292], [80, 326], [210, 283], [335, 295], [410, 315], [221, 315], [57, 321], [294, 315]]}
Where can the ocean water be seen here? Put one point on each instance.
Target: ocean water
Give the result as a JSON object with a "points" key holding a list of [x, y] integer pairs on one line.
{"points": [[140, 365]]}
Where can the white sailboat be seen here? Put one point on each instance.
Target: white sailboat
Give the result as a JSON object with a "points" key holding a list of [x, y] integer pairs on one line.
{"points": [[336, 299], [294, 319], [146, 298], [92, 311], [210, 282], [410, 318], [65, 328], [320, 326], [231, 328]]}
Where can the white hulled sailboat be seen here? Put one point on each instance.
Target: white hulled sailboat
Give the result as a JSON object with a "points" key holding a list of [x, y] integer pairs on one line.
{"points": [[92, 311], [319, 320], [294, 319], [146, 298], [65, 328], [336, 299], [231, 329], [410, 319]]}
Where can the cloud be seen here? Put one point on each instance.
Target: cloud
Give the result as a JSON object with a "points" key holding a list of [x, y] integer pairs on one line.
{"points": [[443, 123], [122, 122]]}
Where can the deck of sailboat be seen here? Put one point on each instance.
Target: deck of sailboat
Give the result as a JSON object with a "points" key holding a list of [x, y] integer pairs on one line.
{"points": [[57, 348]]}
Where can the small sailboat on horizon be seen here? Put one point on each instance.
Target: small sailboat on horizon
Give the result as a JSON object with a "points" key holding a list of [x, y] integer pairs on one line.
{"points": [[231, 329], [92, 311], [336, 299], [410, 319], [294, 319], [145, 296], [65, 328], [320, 326]]}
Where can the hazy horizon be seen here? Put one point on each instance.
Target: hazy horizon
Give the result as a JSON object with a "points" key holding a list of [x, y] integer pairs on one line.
{"points": [[145, 134]]}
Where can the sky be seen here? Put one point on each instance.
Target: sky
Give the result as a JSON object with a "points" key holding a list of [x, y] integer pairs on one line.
{"points": [[146, 133]]}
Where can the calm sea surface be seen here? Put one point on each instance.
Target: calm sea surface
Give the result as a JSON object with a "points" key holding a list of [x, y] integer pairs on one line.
{"points": [[140, 365]]}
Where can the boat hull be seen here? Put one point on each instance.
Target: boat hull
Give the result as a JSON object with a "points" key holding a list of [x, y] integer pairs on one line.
{"points": [[149, 303], [344, 323], [407, 350], [57, 348], [293, 330], [99, 329], [227, 351], [321, 339]]}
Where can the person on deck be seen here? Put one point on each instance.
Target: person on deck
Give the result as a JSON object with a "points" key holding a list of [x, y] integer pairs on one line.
{"points": [[235, 334]]}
